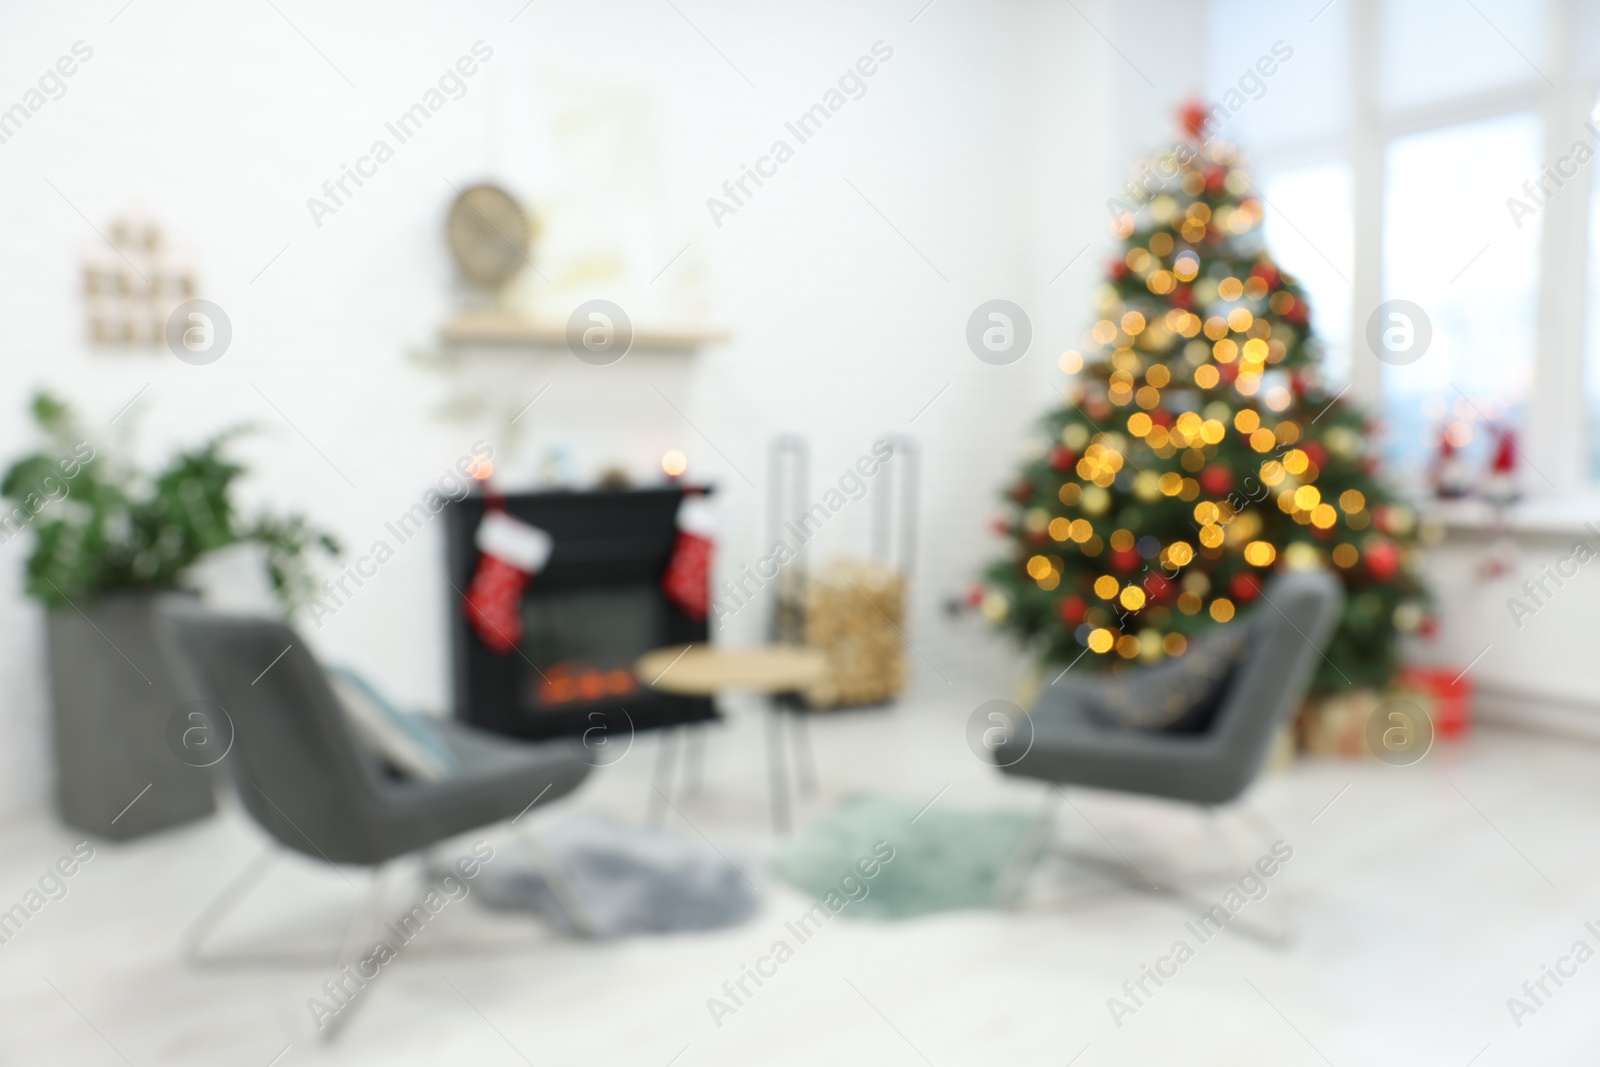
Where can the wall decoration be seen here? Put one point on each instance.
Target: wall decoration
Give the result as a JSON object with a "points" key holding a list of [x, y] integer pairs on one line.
{"points": [[490, 235], [130, 289]]}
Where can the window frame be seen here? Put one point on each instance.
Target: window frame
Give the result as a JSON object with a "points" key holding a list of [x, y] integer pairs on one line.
{"points": [[1554, 442]]}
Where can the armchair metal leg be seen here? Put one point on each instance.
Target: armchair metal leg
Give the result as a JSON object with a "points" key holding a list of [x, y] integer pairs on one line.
{"points": [[363, 928], [1130, 876], [193, 940], [1277, 933], [1266, 833], [365, 916], [551, 871], [1014, 875], [363, 924], [212, 914]]}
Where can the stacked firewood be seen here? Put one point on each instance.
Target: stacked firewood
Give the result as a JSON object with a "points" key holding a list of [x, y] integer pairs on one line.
{"points": [[854, 615]]}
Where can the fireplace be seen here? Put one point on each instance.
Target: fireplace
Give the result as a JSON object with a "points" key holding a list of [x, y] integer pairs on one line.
{"points": [[594, 609]]}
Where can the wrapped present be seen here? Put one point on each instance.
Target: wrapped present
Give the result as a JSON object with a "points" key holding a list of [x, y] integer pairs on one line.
{"points": [[1451, 693], [1336, 725]]}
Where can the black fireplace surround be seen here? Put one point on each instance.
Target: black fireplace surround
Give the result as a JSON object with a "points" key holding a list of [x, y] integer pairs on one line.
{"points": [[594, 609]]}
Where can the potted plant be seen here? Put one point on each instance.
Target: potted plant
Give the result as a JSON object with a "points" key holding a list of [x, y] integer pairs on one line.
{"points": [[109, 542]]}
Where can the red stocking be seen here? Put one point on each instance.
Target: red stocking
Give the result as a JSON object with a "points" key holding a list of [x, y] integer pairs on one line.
{"points": [[513, 552], [687, 581]]}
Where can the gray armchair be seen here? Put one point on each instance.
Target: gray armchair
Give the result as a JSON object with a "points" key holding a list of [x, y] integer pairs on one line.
{"points": [[1062, 746], [301, 774], [1287, 633]]}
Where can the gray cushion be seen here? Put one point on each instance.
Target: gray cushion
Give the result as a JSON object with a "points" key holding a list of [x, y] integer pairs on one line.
{"points": [[1289, 629], [409, 743], [1179, 696]]}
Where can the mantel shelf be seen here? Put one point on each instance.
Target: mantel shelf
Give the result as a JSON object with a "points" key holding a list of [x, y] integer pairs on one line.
{"points": [[510, 331]]}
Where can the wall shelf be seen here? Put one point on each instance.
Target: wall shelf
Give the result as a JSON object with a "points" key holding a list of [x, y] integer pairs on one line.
{"points": [[510, 331]]}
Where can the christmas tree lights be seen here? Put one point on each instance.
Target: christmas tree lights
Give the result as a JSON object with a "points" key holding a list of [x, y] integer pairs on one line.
{"points": [[1197, 451]]}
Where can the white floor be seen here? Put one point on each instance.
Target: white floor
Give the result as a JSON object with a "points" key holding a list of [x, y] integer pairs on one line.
{"points": [[1422, 898]]}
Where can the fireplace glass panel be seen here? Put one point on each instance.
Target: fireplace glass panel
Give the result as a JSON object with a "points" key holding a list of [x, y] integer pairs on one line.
{"points": [[584, 643]]}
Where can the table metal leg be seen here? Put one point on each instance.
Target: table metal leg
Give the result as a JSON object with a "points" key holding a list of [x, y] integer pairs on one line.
{"points": [[777, 774], [805, 760], [655, 811], [694, 759]]}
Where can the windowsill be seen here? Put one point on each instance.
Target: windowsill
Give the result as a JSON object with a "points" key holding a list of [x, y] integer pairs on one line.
{"points": [[1556, 516]]}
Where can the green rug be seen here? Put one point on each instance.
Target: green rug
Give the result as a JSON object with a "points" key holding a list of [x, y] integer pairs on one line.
{"points": [[947, 860]]}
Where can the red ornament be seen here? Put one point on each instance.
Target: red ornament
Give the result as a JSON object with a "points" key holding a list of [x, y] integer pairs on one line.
{"points": [[1428, 627], [1267, 273], [1383, 559], [1229, 372], [1192, 118], [1298, 314], [1061, 458], [1118, 270], [1124, 559], [1036, 537], [1246, 587], [1500, 487], [1158, 588], [1071, 609], [1216, 480], [1448, 474], [1022, 492], [1505, 452], [1001, 527], [1215, 176], [1315, 453], [1161, 417], [975, 595], [1182, 297]]}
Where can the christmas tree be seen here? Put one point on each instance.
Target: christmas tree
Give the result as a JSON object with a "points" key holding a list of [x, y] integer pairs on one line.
{"points": [[1198, 450]]}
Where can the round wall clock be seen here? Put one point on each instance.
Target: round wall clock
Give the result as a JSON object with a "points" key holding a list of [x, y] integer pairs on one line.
{"points": [[490, 235]]}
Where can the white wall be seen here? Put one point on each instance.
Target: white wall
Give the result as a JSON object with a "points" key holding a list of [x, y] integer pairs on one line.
{"points": [[989, 140], [1520, 645]]}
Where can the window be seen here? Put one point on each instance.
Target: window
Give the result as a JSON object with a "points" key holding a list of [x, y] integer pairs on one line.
{"points": [[1435, 50], [1591, 361], [1307, 95], [1389, 148], [1310, 233], [1447, 248]]}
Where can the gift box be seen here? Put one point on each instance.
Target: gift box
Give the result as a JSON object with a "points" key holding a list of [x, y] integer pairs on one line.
{"points": [[1451, 692]]}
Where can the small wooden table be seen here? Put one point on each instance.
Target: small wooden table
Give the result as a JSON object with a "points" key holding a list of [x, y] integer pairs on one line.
{"points": [[701, 670]]}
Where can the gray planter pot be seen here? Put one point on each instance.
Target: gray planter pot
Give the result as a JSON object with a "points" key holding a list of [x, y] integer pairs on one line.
{"points": [[113, 691]]}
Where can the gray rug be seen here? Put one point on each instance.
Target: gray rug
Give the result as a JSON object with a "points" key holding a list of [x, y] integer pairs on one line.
{"points": [[623, 879]]}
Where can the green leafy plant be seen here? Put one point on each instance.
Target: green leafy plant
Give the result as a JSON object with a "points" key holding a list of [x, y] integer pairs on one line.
{"points": [[103, 527]]}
